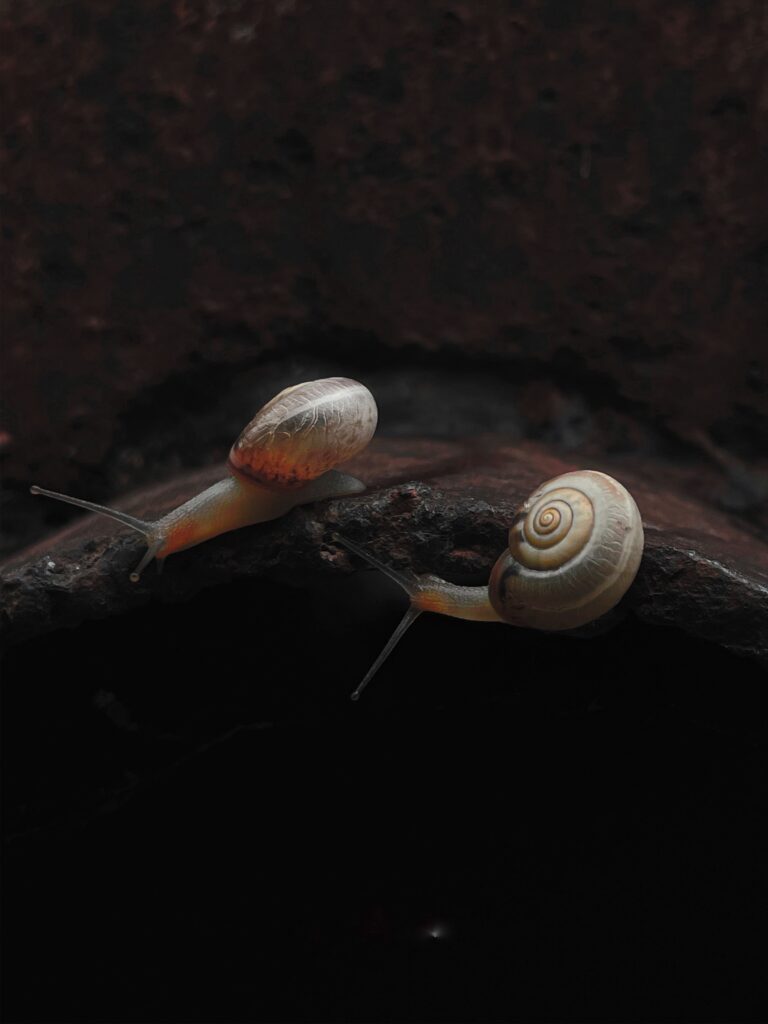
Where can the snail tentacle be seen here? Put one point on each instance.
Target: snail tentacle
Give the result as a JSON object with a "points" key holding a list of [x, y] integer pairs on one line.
{"points": [[426, 594], [405, 624], [122, 517]]}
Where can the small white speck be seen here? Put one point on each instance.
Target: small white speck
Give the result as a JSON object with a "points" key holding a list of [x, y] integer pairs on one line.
{"points": [[436, 930], [50, 565]]}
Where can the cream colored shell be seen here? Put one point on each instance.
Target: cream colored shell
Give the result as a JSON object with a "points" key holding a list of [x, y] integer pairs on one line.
{"points": [[573, 552], [304, 431]]}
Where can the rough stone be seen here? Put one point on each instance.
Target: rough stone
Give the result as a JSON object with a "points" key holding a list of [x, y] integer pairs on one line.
{"points": [[432, 507], [190, 187]]}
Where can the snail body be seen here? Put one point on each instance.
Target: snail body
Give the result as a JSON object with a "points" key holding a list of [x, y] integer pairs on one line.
{"points": [[283, 458], [574, 550]]}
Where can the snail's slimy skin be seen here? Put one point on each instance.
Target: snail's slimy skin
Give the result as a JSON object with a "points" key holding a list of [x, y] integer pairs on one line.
{"points": [[234, 502], [436, 595]]}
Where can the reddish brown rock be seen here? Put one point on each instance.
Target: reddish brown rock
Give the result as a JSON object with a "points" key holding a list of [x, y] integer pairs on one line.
{"points": [[701, 571], [577, 194]]}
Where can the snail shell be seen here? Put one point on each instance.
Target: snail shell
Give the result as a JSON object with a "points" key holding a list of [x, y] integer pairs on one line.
{"points": [[573, 552], [304, 431]]}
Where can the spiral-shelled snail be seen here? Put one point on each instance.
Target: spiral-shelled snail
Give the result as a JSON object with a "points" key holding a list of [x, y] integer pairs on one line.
{"points": [[574, 549], [283, 458]]}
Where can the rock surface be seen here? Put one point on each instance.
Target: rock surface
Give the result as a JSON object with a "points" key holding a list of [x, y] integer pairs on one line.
{"points": [[441, 507], [579, 196]]}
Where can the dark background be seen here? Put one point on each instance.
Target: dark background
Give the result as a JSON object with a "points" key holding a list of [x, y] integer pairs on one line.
{"points": [[197, 834], [205, 201], [570, 195]]}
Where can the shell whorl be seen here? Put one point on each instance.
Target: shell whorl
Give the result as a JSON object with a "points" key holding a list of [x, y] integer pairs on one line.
{"points": [[574, 550], [304, 431]]}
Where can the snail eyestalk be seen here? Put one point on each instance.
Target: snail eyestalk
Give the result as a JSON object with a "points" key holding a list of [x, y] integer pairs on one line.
{"points": [[427, 594], [411, 587], [405, 623], [122, 517]]}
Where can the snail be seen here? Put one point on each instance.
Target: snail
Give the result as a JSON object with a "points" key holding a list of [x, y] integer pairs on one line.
{"points": [[574, 549], [283, 458]]}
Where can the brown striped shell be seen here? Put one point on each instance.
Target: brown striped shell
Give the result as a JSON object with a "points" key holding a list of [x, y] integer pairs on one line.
{"points": [[304, 431], [573, 552]]}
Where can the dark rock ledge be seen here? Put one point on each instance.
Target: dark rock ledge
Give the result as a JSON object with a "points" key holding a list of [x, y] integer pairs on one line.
{"points": [[433, 506]]}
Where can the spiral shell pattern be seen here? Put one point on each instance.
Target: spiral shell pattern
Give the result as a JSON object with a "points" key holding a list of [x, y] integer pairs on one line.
{"points": [[304, 431], [573, 552]]}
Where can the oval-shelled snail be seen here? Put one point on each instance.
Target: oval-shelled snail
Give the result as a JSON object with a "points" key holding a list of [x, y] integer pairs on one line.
{"points": [[283, 458], [574, 549]]}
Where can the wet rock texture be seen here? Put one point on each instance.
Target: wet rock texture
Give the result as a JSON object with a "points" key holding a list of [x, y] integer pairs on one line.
{"points": [[439, 507], [578, 193]]}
